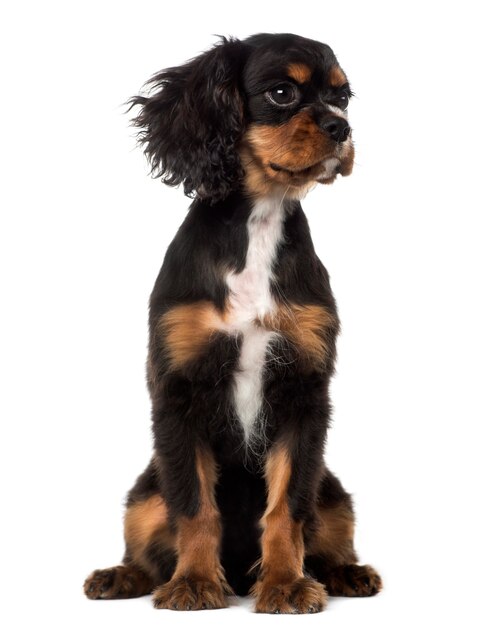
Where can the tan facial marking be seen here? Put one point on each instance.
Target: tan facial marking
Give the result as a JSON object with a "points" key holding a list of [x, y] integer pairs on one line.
{"points": [[300, 72], [295, 145], [296, 149], [337, 77]]}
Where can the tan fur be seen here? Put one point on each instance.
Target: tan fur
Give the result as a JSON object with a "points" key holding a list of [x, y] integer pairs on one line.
{"points": [[186, 331], [198, 538], [190, 595], [333, 537], [300, 72], [303, 595], [337, 77], [299, 146], [282, 538], [281, 586], [295, 145], [198, 581], [142, 521], [261, 181], [307, 327]]}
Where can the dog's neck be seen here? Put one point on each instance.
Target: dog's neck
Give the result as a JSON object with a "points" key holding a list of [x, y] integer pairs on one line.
{"points": [[250, 289]]}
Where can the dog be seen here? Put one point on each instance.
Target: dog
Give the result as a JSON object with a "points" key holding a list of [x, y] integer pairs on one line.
{"points": [[243, 326]]}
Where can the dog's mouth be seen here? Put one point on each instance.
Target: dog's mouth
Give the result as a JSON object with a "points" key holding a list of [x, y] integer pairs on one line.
{"points": [[323, 171]]}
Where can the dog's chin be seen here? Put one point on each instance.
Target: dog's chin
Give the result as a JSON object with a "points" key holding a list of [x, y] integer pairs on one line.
{"points": [[332, 167], [324, 171], [264, 176]]}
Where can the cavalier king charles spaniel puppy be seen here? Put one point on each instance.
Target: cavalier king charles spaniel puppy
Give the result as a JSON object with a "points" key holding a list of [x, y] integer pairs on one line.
{"points": [[237, 497]]}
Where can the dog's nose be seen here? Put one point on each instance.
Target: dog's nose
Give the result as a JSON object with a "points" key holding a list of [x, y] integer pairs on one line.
{"points": [[335, 126]]}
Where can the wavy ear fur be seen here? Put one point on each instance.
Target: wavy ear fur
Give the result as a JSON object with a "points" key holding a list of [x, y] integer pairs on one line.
{"points": [[191, 122]]}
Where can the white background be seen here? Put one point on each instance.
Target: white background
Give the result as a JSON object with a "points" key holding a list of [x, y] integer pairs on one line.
{"points": [[414, 245]]}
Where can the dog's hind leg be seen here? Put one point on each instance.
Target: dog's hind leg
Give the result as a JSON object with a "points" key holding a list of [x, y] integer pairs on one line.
{"points": [[330, 555], [150, 557]]}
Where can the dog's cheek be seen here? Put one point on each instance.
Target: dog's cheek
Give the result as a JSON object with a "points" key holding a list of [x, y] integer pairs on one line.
{"points": [[296, 145]]}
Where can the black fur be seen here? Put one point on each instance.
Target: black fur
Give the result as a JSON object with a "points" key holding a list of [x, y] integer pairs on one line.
{"points": [[193, 125], [193, 120]]}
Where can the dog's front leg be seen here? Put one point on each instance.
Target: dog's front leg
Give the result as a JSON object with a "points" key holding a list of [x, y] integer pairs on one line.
{"points": [[281, 586], [188, 475]]}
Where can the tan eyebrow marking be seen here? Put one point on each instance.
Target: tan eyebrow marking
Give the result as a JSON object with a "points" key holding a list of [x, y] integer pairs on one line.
{"points": [[300, 72], [337, 77]]}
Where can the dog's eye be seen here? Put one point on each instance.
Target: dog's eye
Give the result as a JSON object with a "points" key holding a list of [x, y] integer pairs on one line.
{"points": [[342, 102], [283, 95]]}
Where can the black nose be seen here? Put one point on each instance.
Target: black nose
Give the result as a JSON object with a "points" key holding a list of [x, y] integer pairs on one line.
{"points": [[335, 126]]}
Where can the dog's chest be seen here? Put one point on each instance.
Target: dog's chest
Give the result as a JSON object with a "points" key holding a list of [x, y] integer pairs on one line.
{"points": [[250, 300]]}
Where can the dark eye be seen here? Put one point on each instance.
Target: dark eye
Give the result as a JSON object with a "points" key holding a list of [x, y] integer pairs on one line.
{"points": [[342, 101], [284, 95]]}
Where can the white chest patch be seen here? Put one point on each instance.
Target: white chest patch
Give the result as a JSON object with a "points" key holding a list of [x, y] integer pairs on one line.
{"points": [[250, 299]]}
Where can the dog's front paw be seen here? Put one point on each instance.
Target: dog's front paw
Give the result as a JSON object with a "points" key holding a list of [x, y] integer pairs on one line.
{"points": [[303, 595], [185, 594]]}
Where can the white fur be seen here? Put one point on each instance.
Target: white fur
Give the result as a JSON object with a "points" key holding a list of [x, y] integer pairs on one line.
{"points": [[337, 111], [330, 166], [250, 300]]}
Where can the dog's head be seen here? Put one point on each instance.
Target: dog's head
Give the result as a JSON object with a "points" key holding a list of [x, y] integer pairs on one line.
{"points": [[267, 114]]}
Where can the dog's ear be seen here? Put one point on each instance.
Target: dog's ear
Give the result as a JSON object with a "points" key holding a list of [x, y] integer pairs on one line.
{"points": [[191, 122]]}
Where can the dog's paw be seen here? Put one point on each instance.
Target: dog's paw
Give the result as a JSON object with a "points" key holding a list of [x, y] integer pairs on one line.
{"points": [[117, 582], [186, 594], [356, 581], [304, 595]]}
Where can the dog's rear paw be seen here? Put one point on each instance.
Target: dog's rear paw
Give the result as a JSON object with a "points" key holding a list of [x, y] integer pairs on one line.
{"points": [[354, 581], [117, 583]]}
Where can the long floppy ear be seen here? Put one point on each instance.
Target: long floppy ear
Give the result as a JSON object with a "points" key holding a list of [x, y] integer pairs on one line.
{"points": [[191, 122]]}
